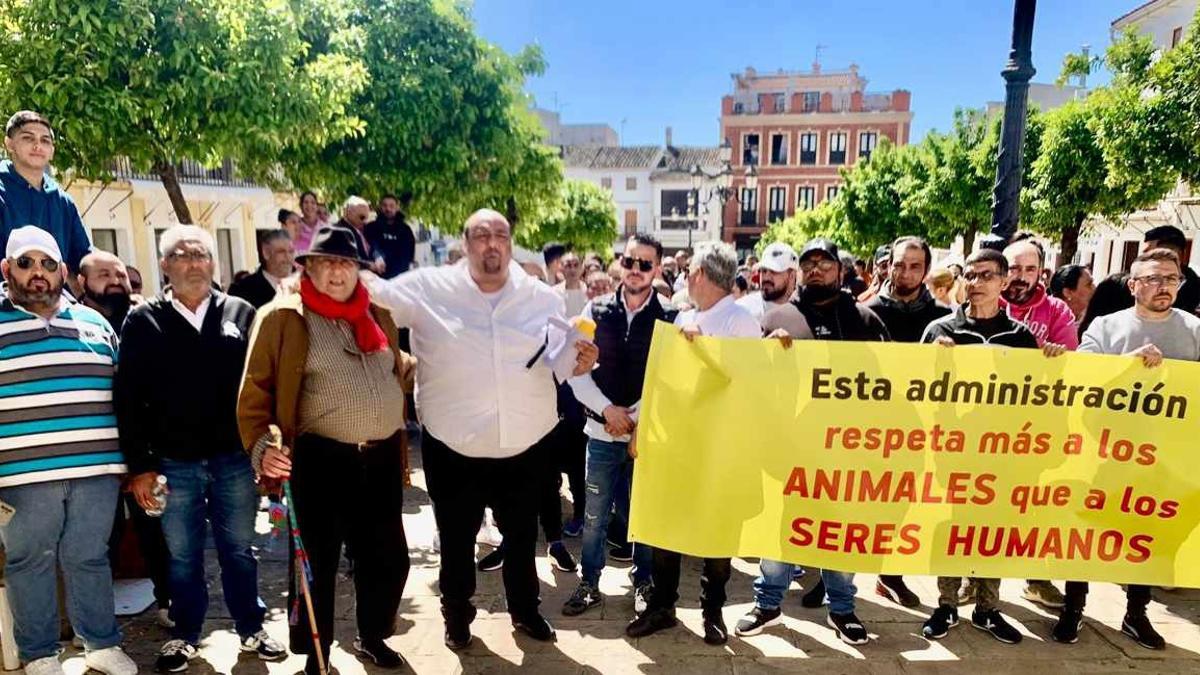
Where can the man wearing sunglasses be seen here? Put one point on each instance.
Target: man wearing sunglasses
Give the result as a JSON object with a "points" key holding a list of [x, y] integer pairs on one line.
{"points": [[61, 464], [30, 196]]}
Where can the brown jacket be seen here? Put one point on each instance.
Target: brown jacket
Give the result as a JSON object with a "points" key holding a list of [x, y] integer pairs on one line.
{"points": [[270, 392]]}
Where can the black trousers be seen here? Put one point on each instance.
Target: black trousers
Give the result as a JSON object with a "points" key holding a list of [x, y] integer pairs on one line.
{"points": [[153, 544], [1137, 597], [565, 451], [665, 574], [460, 487], [352, 495]]}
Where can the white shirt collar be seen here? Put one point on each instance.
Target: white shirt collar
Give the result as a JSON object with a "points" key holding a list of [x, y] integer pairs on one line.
{"points": [[196, 319]]}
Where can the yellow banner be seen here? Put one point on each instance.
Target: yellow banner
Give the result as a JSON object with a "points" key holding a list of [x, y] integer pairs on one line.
{"points": [[921, 459]]}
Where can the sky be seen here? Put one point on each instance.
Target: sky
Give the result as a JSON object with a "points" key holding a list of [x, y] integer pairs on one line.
{"points": [[643, 65]]}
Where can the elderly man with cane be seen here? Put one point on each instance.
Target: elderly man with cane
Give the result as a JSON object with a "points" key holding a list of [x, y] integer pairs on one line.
{"points": [[322, 406]]}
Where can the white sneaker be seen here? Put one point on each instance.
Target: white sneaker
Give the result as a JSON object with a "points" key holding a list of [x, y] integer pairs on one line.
{"points": [[111, 661], [49, 665], [489, 534]]}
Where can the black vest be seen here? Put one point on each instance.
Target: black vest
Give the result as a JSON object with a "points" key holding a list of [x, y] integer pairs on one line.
{"points": [[624, 347]]}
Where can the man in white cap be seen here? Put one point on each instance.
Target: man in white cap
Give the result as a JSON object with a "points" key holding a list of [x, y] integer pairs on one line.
{"points": [[777, 271], [61, 463]]}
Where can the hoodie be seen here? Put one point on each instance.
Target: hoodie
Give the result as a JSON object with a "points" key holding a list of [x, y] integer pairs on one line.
{"points": [[906, 321], [49, 208], [1047, 317]]}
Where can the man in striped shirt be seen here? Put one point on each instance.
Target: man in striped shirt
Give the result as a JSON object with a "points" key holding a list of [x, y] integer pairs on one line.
{"points": [[60, 461]]}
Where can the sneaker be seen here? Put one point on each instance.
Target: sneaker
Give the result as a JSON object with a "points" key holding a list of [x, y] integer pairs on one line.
{"points": [[49, 665], [758, 619], [1138, 627], [492, 561], [174, 656], [623, 553], [585, 597], [641, 596], [458, 629], [379, 653], [1045, 594], [560, 557], [797, 573], [893, 588], [937, 626], [715, 632], [651, 621], [968, 593], [267, 648], [573, 528], [1066, 630], [163, 617], [848, 628], [815, 597], [110, 661], [992, 622], [535, 626], [489, 534]]}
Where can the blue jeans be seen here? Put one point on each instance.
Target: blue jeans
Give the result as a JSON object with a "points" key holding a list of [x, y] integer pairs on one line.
{"points": [[60, 523], [222, 490], [777, 577], [609, 476]]}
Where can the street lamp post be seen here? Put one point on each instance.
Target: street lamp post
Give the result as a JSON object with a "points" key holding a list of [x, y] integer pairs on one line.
{"points": [[1006, 192], [724, 191]]}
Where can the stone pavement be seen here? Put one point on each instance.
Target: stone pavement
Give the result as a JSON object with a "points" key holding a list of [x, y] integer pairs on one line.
{"points": [[595, 642]]}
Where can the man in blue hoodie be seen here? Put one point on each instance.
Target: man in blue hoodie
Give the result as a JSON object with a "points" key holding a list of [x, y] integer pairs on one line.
{"points": [[29, 196]]}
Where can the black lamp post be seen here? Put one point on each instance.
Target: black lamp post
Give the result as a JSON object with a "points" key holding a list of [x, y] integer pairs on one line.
{"points": [[724, 191], [1006, 193]]}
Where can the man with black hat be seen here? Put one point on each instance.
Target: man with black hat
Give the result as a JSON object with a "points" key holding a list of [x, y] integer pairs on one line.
{"points": [[322, 403]]}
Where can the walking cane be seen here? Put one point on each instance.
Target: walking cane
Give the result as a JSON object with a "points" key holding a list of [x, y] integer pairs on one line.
{"points": [[303, 571]]}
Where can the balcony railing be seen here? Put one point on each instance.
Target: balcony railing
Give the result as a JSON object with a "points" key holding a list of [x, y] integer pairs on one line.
{"points": [[190, 173]]}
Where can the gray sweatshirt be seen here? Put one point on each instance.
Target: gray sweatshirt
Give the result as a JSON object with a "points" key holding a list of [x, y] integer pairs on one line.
{"points": [[1177, 336]]}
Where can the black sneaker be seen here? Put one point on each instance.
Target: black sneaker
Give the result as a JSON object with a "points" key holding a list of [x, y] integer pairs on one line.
{"points": [[622, 553], [535, 626], [267, 648], [651, 621], [1138, 627], [173, 657], [758, 619], [573, 528], [939, 624], [560, 557], [1066, 630], [379, 653], [715, 632], [585, 597], [848, 628], [815, 597], [992, 622], [492, 561], [893, 588]]}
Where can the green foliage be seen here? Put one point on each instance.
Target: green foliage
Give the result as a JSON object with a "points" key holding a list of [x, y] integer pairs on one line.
{"points": [[583, 217], [954, 179], [826, 220], [874, 195]]}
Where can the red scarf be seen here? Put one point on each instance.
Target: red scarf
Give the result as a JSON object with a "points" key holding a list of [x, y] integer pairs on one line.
{"points": [[356, 311]]}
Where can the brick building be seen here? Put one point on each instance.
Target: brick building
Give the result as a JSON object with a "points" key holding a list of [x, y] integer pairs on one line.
{"points": [[798, 129]]}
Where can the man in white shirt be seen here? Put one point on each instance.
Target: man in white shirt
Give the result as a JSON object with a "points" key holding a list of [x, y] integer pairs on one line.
{"points": [[486, 395], [778, 271], [710, 285], [572, 289]]}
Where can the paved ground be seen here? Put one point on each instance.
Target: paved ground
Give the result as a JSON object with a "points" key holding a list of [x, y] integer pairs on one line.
{"points": [[595, 642]]}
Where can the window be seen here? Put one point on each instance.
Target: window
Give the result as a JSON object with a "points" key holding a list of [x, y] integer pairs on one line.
{"points": [[630, 222], [806, 197], [631, 183], [808, 148], [749, 203], [780, 102], [739, 108], [866, 144], [837, 147], [776, 204], [750, 150], [225, 255], [831, 192], [606, 182], [105, 240], [779, 149], [673, 203], [812, 101], [1177, 36]]}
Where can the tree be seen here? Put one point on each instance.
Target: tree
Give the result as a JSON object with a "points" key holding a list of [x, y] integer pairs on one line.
{"points": [[873, 198], [826, 220], [161, 81], [953, 196], [584, 217]]}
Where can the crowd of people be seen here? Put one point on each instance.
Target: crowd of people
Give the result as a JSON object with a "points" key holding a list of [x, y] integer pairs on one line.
{"points": [[300, 374]]}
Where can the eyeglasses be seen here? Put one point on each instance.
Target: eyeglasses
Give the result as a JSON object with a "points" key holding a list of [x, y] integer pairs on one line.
{"points": [[985, 276], [824, 265], [1169, 281], [49, 264], [190, 256], [643, 265]]}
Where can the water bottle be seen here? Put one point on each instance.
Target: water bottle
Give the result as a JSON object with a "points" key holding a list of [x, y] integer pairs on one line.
{"points": [[160, 497]]}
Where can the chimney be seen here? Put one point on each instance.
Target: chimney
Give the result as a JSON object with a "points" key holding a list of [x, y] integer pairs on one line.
{"points": [[668, 137]]}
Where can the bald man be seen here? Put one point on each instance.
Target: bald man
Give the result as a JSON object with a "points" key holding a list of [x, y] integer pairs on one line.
{"points": [[105, 284], [486, 395]]}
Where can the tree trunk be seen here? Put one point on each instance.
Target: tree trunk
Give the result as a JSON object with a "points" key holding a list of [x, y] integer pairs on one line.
{"points": [[170, 180], [1070, 240], [510, 212], [968, 236]]}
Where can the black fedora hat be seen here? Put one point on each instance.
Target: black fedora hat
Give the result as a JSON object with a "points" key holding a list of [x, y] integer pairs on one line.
{"points": [[335, 242]]}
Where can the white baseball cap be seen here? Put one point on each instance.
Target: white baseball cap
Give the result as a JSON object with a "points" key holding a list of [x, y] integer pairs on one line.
{"points": [[779, 257], [31, 238]]}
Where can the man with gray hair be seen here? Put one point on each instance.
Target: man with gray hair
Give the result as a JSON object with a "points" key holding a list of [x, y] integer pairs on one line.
{"points": [[356, 213], [278, 256], [710, 279], [176, 391]]}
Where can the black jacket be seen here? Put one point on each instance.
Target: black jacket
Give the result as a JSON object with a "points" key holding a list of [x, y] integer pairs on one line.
{"points": [[906, 321], [395, 241], [1002, 330], [176, 389], [843, 319], [1188, 298], [624, 345], [255, 289]]}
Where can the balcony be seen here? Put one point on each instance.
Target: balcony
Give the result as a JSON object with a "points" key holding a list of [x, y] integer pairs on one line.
{"points": [[751, 102], [189, 172]]}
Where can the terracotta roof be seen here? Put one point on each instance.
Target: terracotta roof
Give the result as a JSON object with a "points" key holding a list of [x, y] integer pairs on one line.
{"points": [[610, 157]]}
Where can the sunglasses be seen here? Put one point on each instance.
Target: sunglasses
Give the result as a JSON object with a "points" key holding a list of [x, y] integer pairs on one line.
{"points": [[25, 262], [643, 265]]}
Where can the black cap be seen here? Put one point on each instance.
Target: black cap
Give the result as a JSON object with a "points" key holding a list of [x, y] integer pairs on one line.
{"points": [[335, 242], [883, 252], [823, 246]]}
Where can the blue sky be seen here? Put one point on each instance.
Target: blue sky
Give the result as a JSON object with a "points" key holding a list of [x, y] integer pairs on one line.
{"points": [[655, 63]]}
